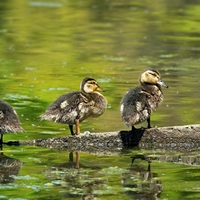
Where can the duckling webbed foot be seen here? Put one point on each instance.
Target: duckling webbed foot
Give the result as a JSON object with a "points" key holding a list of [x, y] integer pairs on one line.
{"points": [[133, 128], [136, 129]]}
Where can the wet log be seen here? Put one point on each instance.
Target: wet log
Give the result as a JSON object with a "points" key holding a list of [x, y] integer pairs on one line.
{"points": [[175, 138]]}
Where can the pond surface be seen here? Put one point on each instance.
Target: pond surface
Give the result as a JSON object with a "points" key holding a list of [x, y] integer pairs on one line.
{"points": [[48, 47]]}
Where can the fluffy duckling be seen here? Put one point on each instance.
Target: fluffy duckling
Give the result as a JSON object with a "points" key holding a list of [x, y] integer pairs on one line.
{"points": [[74, 107], [139, 102], [9, 121]]}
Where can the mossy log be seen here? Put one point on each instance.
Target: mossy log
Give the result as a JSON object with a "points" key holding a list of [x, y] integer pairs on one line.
{"points": [[175, 138]]}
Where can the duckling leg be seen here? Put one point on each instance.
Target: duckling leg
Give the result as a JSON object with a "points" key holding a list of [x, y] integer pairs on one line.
{"points": [[77, 127], [71, 129], [77, 160], [71, 157], [135, 129], [148, 121], [1, 139]]}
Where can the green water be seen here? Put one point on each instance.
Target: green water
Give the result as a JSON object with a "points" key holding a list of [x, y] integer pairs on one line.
{"points": [[48, 47]]}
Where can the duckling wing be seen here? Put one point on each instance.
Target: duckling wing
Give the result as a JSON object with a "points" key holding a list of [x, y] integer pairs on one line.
{"points": [[134, 106], [9, 121], [100, 104], [66, 108]]}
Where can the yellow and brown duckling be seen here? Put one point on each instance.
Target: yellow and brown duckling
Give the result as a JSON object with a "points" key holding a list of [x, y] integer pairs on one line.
{"points": [[74, 107], [9, 121], [139, 102]]}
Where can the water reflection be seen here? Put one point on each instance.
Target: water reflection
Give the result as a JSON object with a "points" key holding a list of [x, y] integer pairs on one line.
{"points": [[88, 182], [71, 159], [77, 179], [9, 167], [141, 183]]}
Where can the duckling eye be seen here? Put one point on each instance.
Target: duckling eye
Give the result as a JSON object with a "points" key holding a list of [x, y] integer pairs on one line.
{"points": [[93, 83], [153, 74]]}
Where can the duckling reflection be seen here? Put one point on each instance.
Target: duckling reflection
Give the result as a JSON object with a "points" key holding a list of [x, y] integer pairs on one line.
{"points": [[8, 168], [9, 121], [73, 176], [138, 103], [74, 107], [141, 183], [71, 163]]}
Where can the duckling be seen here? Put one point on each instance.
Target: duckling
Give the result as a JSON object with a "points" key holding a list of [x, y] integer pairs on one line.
{"points": [[74, 107], [9, 121], [138, 103]]}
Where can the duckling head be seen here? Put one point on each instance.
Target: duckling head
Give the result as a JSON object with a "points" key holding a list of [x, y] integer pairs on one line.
{"points": [[90, 85], [152, 76]]}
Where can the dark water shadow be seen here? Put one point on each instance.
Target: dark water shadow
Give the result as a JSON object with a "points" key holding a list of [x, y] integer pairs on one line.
{"points": [[11, 143]]}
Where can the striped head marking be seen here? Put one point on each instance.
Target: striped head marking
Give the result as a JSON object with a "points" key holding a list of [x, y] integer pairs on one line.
{"points": [[90, 85]]}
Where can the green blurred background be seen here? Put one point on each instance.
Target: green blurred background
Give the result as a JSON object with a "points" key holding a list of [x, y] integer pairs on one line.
{"points": [[48, 47]]}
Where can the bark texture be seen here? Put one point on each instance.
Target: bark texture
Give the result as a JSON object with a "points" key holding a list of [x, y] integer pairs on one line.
{"points": [[176, 138]]}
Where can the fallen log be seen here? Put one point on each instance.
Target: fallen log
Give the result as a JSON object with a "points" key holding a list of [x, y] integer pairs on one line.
{"points": [[175, 138]]}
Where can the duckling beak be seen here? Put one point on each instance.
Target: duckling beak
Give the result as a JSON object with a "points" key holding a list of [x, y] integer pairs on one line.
{"points": [[160, 82], [99, 89]]}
